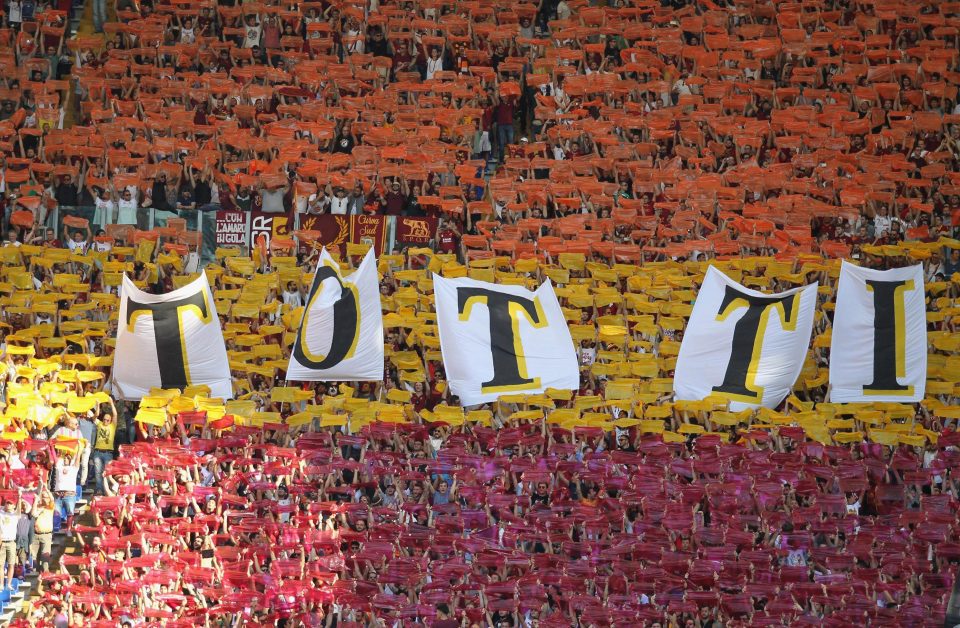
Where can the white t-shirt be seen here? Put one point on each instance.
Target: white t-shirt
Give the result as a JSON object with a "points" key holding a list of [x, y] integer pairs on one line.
{"points": [[881, 225], [317, 204], [434, 66], [292, 298], [339, 205], [284, 516], [356, 46], [105, 209], [66, 477], [251, 36], [128, 212], [8, 525], [272, 201], [588, 355], [77, 247]]}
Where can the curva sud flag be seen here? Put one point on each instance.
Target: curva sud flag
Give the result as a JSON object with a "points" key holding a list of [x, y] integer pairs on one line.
{"points": [[169, 341], [341, 333], [498, 339], [878, 349], [742, 344]]}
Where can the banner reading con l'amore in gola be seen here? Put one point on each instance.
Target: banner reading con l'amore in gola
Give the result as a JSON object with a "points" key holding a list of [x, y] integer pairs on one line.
{"points": [[169, 341]]}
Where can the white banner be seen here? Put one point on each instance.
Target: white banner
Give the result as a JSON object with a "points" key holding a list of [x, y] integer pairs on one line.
{"points": [[341, 334], [499, 340], [878, 350], [742, 344], [169, 341]]}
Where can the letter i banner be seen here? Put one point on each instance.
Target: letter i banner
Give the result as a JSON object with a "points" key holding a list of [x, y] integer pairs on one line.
{"points": [[742, 344], [169, 341], [878, 349], [499, 340], [341, 332]]}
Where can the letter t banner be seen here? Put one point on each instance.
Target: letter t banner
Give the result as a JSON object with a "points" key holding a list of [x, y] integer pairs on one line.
{"points": [[742, 345], [499, 339], [169, 341]]}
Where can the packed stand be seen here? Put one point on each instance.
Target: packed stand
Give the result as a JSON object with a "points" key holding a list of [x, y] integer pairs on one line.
{"points": [[610, 149], [675, 131], [385, 503]]}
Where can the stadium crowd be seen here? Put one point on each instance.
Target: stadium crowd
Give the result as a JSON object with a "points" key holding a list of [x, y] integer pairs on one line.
{"points": [[613, 147]]}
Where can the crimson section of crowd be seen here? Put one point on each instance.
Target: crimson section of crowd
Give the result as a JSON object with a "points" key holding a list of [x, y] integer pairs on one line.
{"points": [[521, 526], [503, 519]]}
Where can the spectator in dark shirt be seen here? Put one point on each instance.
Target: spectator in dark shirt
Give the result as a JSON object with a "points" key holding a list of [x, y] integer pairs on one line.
{"points": [[201, 193], [344, 143], [159, 193], [377, 44], [951, 263], [414, 208], [67, 191], [541, 495]]}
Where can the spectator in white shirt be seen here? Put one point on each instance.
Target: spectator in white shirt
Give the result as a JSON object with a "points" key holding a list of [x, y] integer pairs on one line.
{"points": [[76, 242], [65, 486], [340, 202], [882, 222], [9, 520]]}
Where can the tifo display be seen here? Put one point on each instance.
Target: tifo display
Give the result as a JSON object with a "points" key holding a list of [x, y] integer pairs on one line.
{"points": [[479, 314], [521, 343]]}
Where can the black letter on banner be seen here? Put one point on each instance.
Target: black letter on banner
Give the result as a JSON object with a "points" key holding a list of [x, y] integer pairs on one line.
{"points": [[739, 382], [505, 310], [346, 324], [168, 333], [889, 337]]}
